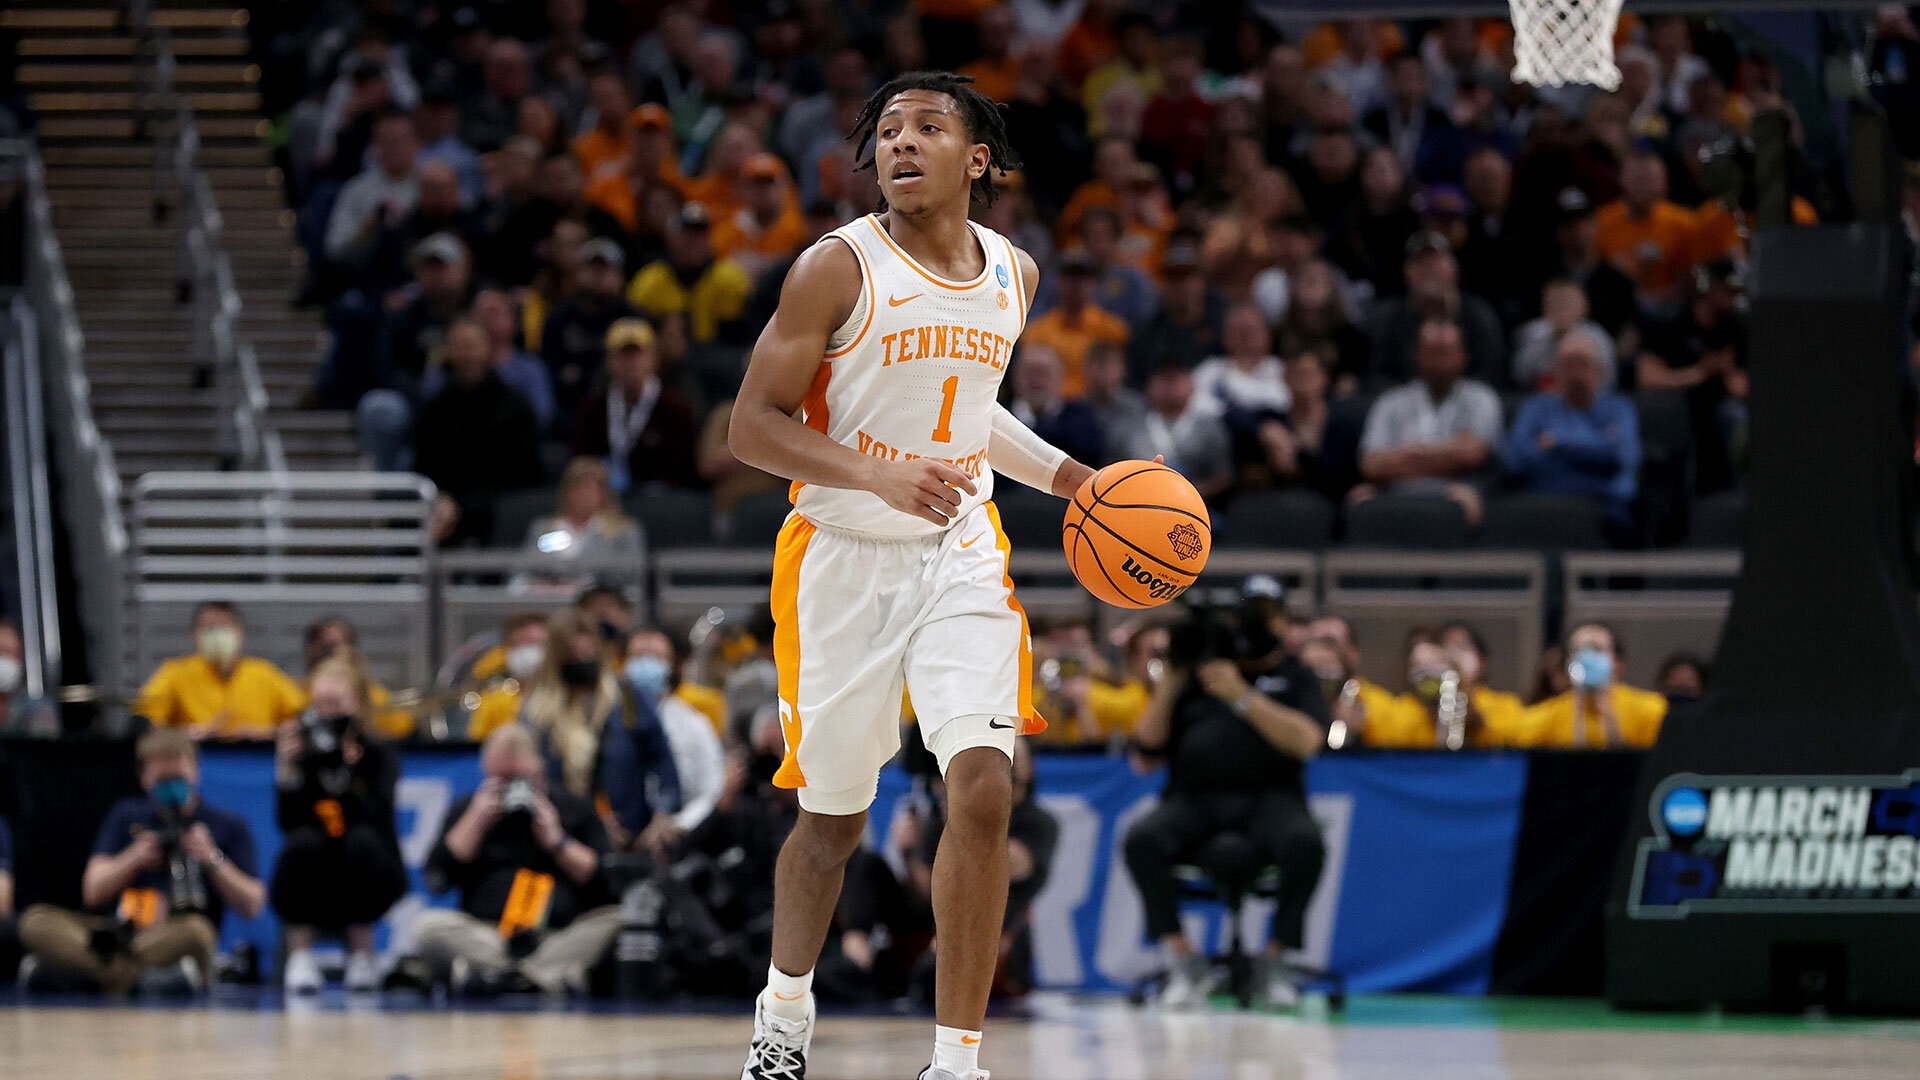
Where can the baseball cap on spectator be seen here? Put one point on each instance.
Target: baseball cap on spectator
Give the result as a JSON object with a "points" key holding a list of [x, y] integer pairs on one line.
{"points": [[764, 166], [694, 215], [1572, 204], [1427, 242], [1441, 200], [1262, 587], [624, 332], [602, 250], [652, 116], [440, 247]]}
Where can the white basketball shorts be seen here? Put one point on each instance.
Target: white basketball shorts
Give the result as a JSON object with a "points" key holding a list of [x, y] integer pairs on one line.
{"points": [[857, 618]]}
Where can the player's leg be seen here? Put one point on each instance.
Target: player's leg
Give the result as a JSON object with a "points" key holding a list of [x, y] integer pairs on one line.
{"points": [[968, 665], [839, 712]]}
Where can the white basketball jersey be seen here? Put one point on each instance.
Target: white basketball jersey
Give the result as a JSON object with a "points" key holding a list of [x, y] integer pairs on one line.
{"points": [[914, 372]]}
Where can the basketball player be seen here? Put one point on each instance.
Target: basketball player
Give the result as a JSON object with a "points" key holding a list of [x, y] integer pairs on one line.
{"points": [[874, 389]]}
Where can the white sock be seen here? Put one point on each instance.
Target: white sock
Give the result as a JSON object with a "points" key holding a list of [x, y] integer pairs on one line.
{"points": [[786, 995], [956, 1050]]}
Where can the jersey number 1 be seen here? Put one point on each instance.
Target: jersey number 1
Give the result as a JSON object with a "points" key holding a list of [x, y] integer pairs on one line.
{"points": [[943, 432]]}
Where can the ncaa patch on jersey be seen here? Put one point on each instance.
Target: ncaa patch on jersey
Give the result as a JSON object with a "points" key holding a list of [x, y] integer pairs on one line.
{"points": [[1000, 274]]}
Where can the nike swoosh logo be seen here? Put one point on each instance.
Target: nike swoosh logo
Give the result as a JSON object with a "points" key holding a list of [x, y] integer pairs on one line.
{"points": [[997, 726], [968, 1040], [784, 997], [970, 543], [894, 301]]}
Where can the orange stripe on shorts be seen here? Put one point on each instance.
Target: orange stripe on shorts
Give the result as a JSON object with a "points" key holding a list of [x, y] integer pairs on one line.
{"points": [[788, 550]]}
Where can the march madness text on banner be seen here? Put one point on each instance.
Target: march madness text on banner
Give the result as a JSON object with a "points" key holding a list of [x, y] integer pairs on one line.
{"points": [[1419, 853], [1779, 844]]}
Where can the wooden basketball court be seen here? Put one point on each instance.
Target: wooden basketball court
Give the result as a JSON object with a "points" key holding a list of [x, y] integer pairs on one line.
{"points": [[249, 1037]]}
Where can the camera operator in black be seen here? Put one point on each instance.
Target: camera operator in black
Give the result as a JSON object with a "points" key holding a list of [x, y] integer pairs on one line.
{"points": [[340, 869], [1236, 719], [535, 911]]}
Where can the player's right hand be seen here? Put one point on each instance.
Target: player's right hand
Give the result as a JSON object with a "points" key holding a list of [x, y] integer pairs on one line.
{"points": [[924, 487]]}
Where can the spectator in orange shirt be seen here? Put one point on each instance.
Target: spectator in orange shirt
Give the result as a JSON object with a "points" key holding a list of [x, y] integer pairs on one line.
{"points": [[1649, 238], [621, 189], [1076, 323], [997, 69], [768, 227], [1716, 231], [1145, 218], [1092, 41], [719, 188], [1113, 166], [607, 142]]}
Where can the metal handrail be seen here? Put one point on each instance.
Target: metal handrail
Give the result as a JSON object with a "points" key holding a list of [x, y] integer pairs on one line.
{"points": [[27, 481], [90, 481], [205, 272]]}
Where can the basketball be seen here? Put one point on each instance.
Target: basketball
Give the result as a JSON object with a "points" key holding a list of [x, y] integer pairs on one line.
{"points": [[1137, 534]]}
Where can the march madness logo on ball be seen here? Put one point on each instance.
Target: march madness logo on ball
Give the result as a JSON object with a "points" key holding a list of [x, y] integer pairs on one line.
{"points": [[1185, 540]]}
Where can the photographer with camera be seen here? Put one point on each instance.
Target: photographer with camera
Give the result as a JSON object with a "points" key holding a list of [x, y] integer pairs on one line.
{"points": [[1236, 719], [535, 912], [340, 869], [172, 863]]}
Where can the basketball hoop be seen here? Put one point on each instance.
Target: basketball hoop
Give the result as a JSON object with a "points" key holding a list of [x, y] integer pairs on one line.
{"points": [[1556, 42]]}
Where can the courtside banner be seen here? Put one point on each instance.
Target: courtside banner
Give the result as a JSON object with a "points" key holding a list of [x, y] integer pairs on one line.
{"points": [[1419, 853]]}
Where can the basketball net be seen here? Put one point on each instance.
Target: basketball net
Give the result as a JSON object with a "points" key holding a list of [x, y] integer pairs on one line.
{"points": [[1556, 42]]}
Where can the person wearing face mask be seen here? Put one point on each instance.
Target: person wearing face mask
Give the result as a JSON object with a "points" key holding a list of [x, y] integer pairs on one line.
{"points": [[534, 910], [20, 714], [334, 636], [167, 866], [219, 691], [505, 671], [1443, 690], [1597, 711], [1682, 677], [697, 754], [340, 868], [596, 734], [1334, 656]]}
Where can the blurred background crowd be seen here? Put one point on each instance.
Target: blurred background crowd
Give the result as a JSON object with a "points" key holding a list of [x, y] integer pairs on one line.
{"points": [[1353, 262]]}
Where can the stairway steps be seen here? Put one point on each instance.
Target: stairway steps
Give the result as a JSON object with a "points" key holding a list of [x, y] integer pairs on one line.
{"points": [[121, 101], [73, 74], [185, 49], [56, 127], [140, 153]]}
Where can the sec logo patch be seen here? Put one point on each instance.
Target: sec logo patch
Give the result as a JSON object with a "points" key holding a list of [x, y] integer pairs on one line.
{"points": [[1000, 274]]}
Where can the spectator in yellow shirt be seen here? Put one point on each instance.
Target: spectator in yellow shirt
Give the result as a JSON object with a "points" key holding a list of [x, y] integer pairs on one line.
{"points": [[712, 290], [335, 636], [218, 691], [1334, 655], [522, 650], [1597, 711], [1117, 704], [1412, 721]]}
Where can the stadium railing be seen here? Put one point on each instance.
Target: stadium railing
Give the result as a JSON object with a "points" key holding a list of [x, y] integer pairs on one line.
{"points": [[1658, 602], [89, 481], [32, 517], [1384, 594]]}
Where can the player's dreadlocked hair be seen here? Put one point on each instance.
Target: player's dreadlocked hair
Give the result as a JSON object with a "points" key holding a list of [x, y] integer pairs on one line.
{"points": [[984, 124]]}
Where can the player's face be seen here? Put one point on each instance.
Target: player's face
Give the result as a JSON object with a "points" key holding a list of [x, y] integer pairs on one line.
{"points": [[923, 155]]}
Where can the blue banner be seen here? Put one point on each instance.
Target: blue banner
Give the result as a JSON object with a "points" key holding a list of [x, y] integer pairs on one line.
{"points": [[1419, 854]]}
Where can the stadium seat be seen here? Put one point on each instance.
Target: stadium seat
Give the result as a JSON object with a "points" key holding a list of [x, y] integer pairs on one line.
{"points": [[1666, 463], [1030, 519], [1407, 521], [1719, 521], [515, 512], [674, 519], [1268, 519], [1543, 519], [756, 520]]}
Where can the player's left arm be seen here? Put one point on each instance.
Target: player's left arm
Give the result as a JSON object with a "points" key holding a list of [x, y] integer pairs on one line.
{"points": [[1015, 451]]}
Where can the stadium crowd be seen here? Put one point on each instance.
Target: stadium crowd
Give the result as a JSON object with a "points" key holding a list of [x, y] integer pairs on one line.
{"points": [[1352, 259]]}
